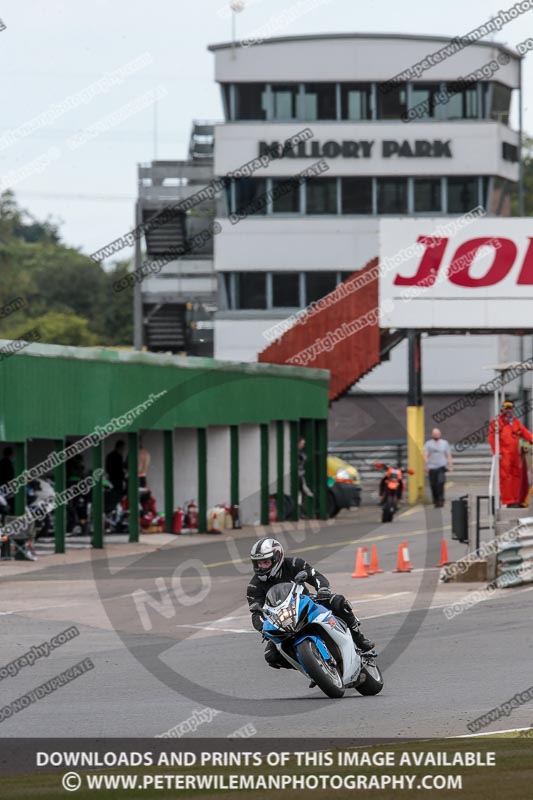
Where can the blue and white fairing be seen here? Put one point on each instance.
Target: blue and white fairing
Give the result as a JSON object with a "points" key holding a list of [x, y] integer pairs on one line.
{"points": [[289, 613]]}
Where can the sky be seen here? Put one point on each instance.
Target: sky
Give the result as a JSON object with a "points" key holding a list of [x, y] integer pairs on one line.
{"points": [[129, 57]]}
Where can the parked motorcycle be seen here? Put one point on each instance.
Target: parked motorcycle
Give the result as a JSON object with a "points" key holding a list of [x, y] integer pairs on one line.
{"points": [[79, 511], [19, 545], [316, 643], [40, 493], [391, 489], [116, 514]]}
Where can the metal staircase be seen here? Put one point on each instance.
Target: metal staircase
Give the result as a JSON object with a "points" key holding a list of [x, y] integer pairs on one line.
{"points": [[165, 327], [179, 299], [166, 238]]}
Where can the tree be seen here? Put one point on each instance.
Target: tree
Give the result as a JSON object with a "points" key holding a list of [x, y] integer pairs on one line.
{"points": [[57, 328], [19, 223], [70, 295], [117, 313]]}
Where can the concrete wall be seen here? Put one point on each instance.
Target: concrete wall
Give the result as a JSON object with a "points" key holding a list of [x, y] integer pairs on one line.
{"points": [[449, 364], [250, 472], [218, 466], [374, 418], [153, 442], [347, 57], [185, 466], [241, 339], [302, 243]]}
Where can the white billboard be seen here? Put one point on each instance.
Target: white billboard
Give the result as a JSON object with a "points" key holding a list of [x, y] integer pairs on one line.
{"points": [[467, 272]]}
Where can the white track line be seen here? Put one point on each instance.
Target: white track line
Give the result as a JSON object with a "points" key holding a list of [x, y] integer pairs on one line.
{"points": [[218, 630], [39, 608], [489, 733], [65, 605], [376, 599]]}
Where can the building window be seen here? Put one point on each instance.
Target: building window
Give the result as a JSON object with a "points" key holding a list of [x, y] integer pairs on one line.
{"points": [[501, 101], [503, 194], [393, 103], [225, 298], [486, 95], [509, 152], [321, 196], [427, 195], [356, 101], [356, 195], [319, 284], [286, 290], [392, 195], [319, 101], [423, 99], [285, 101], [462, 195], [462, 102], [226, 99], [250, 196], [250, 101], [251, 290], [485, 184], [285, 196]]}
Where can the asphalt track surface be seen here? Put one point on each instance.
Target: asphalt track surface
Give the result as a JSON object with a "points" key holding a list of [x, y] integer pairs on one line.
{"points": [[151, 676]]}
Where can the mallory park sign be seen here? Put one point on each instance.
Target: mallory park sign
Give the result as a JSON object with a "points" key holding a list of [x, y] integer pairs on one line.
{"points": [[390, 148]]}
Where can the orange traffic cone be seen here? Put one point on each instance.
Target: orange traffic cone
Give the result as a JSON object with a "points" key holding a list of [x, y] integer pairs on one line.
{"points": [[443, 554], [359, 570], [374, 563], [406, 559], [401, 564], [366, 561]]}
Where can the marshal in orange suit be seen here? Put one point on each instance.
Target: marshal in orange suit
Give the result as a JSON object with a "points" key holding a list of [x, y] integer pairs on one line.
{"points": [[511, 431]]}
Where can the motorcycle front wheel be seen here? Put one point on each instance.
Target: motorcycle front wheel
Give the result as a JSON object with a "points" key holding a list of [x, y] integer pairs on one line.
{"points": [[322, 672], [388, 510], [370, 680]]}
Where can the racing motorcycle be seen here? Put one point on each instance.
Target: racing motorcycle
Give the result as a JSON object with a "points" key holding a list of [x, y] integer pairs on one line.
{"points": [[391, 489], [317, 643]]}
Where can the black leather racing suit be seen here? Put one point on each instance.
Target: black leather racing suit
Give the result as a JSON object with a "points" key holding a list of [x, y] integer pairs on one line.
{"points": [[257, 592]]}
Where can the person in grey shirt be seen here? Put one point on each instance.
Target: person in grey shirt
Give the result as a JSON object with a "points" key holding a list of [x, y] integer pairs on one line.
{"points": [[437, 459]]}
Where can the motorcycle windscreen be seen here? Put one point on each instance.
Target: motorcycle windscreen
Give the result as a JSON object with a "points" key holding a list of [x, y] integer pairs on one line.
{"points": [[278, 594]]}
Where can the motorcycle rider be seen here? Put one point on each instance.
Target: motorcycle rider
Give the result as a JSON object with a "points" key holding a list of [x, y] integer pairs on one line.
{"points": [[271, 567], [395, 474]]}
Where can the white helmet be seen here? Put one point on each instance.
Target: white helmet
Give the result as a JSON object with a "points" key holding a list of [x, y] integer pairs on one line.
{"points": [[267, 549]]}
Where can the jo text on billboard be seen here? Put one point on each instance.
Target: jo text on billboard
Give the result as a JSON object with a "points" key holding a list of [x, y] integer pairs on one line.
{"points": [[457, 273]]}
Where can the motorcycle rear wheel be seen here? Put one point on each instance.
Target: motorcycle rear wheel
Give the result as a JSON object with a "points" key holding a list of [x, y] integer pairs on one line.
{"points": [[325, 675]]}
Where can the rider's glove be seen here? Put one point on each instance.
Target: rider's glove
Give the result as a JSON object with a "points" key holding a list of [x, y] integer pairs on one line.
{"points": [[323, 594]]}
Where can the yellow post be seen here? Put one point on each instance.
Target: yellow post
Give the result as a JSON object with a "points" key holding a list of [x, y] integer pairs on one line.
{"points": [[420, 475], [415, 450], [415, 419]]}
